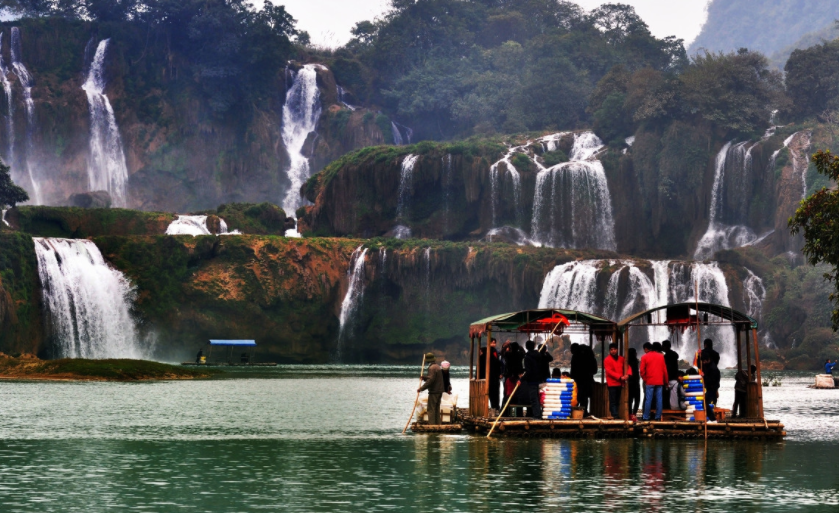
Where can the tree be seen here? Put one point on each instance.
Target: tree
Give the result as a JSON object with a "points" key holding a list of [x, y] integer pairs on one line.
{"points": [[10, 194], [818, 219]]}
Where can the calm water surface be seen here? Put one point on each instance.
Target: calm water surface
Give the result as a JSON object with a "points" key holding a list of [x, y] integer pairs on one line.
{"points": [[326, 438]]}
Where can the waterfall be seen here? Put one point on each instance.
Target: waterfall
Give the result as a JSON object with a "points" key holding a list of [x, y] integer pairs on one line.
{"points": [[88, 302], [426, 256], [10, 106], [106, 168], [576, 286], [406, 185], [301, 112], [341, 93], [797, 167], [26, 82], [3, 217], [572, 286], [397, 137], [448, 181], [572, 206], [222, 228], [188, 225], [495, 182], [753, 294], [353, 297], [726, 228]]}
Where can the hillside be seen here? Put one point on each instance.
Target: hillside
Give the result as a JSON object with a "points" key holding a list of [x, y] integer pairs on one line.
{"points": [[766, 26]]}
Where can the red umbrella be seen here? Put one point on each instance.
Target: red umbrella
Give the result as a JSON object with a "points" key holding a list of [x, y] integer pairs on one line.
{"points": [[547, 324]]}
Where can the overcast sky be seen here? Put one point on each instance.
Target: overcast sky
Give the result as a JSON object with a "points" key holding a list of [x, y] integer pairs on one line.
{"points": [[329, 21]]}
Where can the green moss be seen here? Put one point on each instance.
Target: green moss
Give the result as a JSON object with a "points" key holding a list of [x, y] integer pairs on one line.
{"points": [[73, 222], [20, 327], [110, 370]]}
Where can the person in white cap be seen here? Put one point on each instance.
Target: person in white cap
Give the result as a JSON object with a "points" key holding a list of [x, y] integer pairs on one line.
{"points": [[447, 381]]}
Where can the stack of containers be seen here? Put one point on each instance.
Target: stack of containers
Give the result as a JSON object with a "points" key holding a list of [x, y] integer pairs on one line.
{"points": [[560, 397], [694, 391]]}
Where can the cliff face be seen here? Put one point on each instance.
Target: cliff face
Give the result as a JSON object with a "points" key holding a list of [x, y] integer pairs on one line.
{"points": [[180, 154], [663, 191], [21, 316]]}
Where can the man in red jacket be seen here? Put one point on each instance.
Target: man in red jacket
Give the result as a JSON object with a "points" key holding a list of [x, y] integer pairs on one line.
{"points": [[615, 378], [653, 370]]}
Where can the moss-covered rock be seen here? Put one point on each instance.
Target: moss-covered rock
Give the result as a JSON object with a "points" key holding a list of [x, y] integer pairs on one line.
{"points": [[75, 222]]}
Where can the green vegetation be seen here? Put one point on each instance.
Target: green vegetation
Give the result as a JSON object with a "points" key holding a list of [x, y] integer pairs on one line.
{"points": [[816, 219], [19, 292], [75, 222], [813, 79], [257, 219], [108, 370], [10, 194], [455, 67]]}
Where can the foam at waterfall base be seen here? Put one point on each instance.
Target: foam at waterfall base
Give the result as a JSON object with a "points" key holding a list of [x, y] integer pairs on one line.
{"points": [[720, 237], [188, 225]]}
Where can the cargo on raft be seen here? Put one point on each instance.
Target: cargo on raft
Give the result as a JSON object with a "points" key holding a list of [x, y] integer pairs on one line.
{"points": [[229, 358], [559, 420]]}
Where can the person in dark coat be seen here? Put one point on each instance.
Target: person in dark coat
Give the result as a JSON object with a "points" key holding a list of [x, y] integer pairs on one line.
{"points": [[512, 358], [534, 375], [578, 374], [708, 351], [494, 372], [199, 356], [671, 361], [435, 385], [447, 380], [634, 381], [711, 378]]}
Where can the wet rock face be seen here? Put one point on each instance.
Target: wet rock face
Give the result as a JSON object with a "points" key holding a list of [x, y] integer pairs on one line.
{"points": [[96, 199]]}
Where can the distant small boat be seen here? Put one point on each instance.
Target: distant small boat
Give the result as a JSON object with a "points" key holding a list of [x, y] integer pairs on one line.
{"points": [[245, 359]]}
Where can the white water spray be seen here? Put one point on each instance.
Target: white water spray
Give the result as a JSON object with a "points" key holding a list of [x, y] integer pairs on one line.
{"points": [[406, 186], [88, 302], [10, 106], [106, 167], [353, 297]]}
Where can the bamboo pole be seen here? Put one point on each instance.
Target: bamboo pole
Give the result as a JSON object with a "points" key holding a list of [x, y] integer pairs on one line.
{"points": [[422, 368], [699, 348]]}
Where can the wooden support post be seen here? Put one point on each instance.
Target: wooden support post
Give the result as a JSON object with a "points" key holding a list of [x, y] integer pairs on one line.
{"points": [[623, 344], [737, 331], [471, 355], [486, 369], [759, 382]]}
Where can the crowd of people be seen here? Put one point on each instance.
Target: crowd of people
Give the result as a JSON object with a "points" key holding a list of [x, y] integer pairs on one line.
{"points": [[523, 371]]}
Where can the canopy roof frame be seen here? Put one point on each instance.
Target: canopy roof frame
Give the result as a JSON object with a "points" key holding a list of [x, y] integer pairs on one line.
{"points": [[512, 321], [725, 312]]}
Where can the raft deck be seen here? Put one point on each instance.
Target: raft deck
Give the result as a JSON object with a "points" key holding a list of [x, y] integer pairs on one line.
{"points": [[731, 429], [226, 364]]}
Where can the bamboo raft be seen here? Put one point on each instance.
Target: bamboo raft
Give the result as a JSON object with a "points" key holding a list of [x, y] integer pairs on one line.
{"points": [[422, 427], [733, 429]]}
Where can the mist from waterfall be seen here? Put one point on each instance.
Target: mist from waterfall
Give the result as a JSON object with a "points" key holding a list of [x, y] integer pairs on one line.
{"points": [[301, 113], [87, 301], [572, 206], [106, 167], [26, 82], [630, 289]]}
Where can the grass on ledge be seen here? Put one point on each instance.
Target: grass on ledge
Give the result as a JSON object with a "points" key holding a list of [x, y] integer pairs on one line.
{"points": [[94, 370]]}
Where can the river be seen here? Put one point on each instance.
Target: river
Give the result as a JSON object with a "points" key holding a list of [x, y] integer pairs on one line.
{"points": [[326, 438]]}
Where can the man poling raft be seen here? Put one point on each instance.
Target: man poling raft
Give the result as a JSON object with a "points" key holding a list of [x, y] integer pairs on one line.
{"points": [[435, 385]]}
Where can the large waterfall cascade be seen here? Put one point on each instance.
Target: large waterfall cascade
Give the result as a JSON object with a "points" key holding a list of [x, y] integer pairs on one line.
{"points": [[630, 290], [3, 217], [106, 167], [355, 294], [406, 187], [88, 302], [572, 206], [26, 82], [301, 112]]}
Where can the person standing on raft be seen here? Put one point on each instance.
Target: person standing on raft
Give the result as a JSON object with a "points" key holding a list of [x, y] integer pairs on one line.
{"points": [[615, 378], [435, 386]]}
